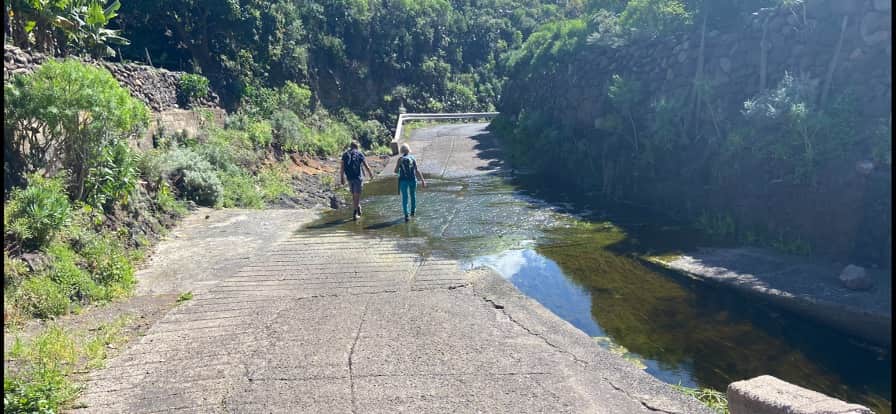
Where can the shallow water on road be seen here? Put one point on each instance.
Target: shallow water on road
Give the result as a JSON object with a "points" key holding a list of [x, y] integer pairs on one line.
{"points": [[584, 270]]}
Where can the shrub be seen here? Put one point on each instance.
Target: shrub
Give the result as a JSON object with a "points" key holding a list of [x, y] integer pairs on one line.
{"points": [[33, 215], [43, 386], [193, 176], [260, 133], [167, 203], [74, 281], [108, 263], [240, 191], [288, 132], [41, 297], [274, 182], [114, 177], [296, 98], [68, 111], [192, 87], [652, 18]]}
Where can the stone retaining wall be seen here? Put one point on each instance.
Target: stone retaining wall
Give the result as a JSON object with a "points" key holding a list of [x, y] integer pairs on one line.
{"points": [[157, 88]]}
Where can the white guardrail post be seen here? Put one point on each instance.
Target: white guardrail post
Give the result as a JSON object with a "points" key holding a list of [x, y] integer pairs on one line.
{"points": [[405, 117]]}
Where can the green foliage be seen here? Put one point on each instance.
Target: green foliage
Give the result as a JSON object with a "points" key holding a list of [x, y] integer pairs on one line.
{"points": [[42, 297], [114, 177], [718, 226], [289, 134], [193, 176], [652, 18], [275, 181], [108, 263], [33, 215], [75, 282], [192, 87], [184, 297], [239, 190], [715, 400], [44, 386], [62, 24], [296, 98], [68, 111]]}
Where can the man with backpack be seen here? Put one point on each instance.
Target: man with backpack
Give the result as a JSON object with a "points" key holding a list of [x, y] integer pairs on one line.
{"points": [[352, 160], [407, 171]]}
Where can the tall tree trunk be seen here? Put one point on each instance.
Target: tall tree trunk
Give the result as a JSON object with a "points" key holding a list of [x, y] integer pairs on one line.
{"points": [[698, 76]]}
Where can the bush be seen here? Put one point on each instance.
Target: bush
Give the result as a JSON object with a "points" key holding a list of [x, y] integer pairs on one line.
{"points": [[33, 215], [260, 133], [192, 87], [108, 264], [42, 297], [240, 191], [652, 18], [74, 281], [68, 111], [274, 182], [296, 98], [115, 176], [288, 132], [193, 176]]}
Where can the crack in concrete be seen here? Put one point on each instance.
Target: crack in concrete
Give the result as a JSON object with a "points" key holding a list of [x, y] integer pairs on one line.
{"points": [[645, 404], [351, 354], [533, 333]]}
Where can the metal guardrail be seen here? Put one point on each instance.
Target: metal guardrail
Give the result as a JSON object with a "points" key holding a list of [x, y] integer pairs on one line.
{"points": [[405, 117]]}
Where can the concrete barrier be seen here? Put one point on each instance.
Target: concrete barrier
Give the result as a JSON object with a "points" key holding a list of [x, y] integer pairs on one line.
{"points": [[769, 395], [418, 116]]}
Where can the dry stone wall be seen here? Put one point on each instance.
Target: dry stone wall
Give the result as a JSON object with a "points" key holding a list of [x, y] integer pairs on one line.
{"points": [[155, 87]]}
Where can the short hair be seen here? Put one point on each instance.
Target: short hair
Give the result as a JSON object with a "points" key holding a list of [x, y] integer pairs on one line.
{"points": [[354, 145], [405, 149]]}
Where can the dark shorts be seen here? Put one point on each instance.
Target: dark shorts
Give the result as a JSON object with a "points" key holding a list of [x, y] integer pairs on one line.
{"points": [[355, 185]]}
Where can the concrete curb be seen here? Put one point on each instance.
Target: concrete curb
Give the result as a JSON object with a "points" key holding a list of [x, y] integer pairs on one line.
{"points": [[420, 116]]}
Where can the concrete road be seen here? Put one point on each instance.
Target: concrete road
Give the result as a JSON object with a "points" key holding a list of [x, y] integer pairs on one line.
{"points": [[325, 321]]}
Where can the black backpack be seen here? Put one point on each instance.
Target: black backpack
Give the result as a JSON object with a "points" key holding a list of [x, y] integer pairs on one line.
{"points": [[352, 162], [406, 166]]}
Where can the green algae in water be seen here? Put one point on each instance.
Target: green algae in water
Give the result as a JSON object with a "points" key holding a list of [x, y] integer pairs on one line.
{"points": [[678, 330]]}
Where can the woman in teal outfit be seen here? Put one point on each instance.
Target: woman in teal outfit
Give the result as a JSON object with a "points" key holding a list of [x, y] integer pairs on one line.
{"points": [[407, 171]]}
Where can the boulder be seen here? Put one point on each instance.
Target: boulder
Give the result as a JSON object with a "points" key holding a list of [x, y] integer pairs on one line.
{"points": [[769, 395], [854, 277]]}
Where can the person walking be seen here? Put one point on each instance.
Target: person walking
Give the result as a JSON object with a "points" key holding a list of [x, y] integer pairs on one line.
{"points": [[407, 171], [352, 161]]}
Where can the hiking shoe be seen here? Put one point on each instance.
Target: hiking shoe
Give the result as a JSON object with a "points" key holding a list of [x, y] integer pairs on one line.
{"points": [[406, 217], [412, 214], [359, 211]]}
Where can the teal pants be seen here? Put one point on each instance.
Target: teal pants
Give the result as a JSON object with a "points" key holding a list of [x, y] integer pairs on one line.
{"points": [[408, 189]]}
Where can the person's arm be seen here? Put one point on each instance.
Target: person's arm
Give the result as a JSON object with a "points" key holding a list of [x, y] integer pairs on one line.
{"points": [[397, 163], [367, 167], [342, 173], [419, 175]]}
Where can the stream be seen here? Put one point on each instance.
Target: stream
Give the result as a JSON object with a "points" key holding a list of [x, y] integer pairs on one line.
{"points": [[580, 261]]}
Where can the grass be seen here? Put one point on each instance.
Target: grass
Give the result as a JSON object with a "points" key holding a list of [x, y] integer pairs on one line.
{"points": [[41, 378], [184, 297], [711, 398]]}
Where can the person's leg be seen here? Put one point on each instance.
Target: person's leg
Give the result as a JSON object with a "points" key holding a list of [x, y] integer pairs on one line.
{"points": [[412, 189], [404, 188]]}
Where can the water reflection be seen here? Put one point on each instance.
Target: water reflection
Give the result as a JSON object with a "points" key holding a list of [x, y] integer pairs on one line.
{"points": [[583, 271]]}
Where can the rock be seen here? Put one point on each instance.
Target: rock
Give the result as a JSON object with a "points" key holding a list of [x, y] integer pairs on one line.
{"points": [[36, 261], [855, 278], [769, 395]]}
